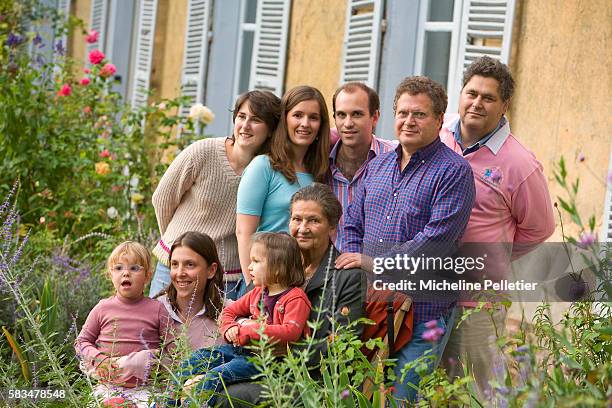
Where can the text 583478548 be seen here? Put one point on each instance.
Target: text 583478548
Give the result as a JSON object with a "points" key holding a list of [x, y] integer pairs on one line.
{"points": [[31, 394]]}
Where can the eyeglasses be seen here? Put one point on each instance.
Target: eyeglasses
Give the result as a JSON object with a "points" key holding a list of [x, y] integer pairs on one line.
{"points": [[131, 268]]}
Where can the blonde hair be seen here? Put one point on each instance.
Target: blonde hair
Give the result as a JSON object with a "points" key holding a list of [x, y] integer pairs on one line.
{"points": [[134, 250]]}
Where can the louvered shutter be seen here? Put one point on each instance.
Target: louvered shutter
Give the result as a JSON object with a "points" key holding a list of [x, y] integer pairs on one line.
{"points": [[270, 45], [362, 38], [606, 233], [98, 22], [64, 6], [485, 20], [145, 37], [195, 59]]}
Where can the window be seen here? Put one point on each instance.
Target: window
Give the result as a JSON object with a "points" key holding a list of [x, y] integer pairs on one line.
{"points": [[246, 39]]}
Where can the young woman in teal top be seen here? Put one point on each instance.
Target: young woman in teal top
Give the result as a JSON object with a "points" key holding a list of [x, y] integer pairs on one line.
{"points": [[298, 156]]}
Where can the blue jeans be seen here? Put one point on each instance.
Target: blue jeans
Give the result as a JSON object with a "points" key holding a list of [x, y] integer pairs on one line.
{"points": [[235, 289], [225, 362], [161, 279], [417, 348]]}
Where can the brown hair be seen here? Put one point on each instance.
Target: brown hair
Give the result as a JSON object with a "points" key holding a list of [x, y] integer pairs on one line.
{"points": [[351, 87], [132, 249], [324, 197], [283, 257], [317, 155], [266, 106], [205, 247], [488, 67], [415, 85]]}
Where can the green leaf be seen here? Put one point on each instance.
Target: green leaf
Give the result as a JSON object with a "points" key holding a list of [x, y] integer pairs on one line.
{"points": [[25, 367]]}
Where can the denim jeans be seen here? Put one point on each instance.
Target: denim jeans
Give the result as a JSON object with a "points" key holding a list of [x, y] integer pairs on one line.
{"points": [[225, 362], [417, 348], [161, 279]]}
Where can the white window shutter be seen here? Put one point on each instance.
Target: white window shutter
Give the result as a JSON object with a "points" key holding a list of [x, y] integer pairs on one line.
{"points": [[485, 20], [606, 225], [98, 22], [195, 58], [64, 6], [362, 39], [145, 37], [270, 46]]}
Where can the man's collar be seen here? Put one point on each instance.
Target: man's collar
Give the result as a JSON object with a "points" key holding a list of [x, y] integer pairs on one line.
{"points": [[494, 140], [333, 154], [421, 154]]}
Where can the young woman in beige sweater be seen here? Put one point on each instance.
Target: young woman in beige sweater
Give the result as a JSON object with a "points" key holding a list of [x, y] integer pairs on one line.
{"points": [[198, 191]]}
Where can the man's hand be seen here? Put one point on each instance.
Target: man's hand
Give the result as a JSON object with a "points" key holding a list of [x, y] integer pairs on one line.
{"points": [[231, 335], [354, 260]]}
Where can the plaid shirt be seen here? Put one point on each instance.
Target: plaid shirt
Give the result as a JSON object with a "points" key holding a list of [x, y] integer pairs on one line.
{"points": [[342, 187], [407, 212]]}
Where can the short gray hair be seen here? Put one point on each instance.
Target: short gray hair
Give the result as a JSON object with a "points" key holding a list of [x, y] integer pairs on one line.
{"points": [[324, 197]]}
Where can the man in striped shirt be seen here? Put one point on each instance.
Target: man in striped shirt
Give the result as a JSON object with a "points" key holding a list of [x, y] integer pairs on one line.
{"points": [[356, 112], [414, 201]]}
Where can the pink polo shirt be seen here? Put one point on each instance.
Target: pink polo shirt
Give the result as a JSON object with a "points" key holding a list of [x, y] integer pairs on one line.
{"points": [[512, 204]]}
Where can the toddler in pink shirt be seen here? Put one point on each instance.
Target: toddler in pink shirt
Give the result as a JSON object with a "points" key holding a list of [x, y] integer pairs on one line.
{"points": [[123, 329]]}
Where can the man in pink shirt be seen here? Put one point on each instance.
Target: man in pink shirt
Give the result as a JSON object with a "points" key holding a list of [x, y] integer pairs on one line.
{"points": [[356, 111], [512, 212]]}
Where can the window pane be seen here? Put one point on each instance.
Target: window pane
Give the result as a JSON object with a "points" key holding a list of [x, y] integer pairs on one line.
{"points": [[437, 54], [251, 11], [245, 66], [440, 10]]}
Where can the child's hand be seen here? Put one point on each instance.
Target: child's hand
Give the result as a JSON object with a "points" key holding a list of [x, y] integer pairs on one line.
{"points": [[231, 335], [108, 370]]}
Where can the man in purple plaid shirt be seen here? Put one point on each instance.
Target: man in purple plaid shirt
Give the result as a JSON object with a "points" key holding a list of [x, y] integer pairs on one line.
{"points": [[416, 201]]}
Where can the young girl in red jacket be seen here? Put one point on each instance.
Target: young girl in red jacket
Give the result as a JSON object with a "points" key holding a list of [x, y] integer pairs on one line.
{"points": [[277, 306]]}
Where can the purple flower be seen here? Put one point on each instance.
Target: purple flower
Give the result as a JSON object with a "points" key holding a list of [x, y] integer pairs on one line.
{"points": [[345, 394], [522, 349], [432, 324], [13, 40], [581, 157], [37, 40], [432, 335], [586, 239], [610, 178], [59, 47]]}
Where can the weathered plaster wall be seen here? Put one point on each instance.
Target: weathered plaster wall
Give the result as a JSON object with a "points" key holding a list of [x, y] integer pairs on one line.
{"points": [[561, 63], [316, 34], [168, 49]]}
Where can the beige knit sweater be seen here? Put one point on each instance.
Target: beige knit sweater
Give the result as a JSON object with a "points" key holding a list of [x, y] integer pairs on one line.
{"points": [[198, 193]]}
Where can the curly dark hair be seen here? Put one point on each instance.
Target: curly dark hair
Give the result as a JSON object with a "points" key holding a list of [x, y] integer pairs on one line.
{"points": [[488, 67], [415, 85]]}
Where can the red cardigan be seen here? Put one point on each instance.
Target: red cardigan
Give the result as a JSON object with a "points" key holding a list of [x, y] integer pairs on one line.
{"points": [[288, 321]]}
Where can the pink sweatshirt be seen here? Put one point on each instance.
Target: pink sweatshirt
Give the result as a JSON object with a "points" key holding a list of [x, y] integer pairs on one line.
{"points": [[117, 327], [512, 204]]}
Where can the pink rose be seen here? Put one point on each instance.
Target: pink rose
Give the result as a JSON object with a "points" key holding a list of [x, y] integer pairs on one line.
{"points": [[84, 81], [96, 56], [65, 90], [87, 110], [87, 71], [107, 70], [92, 37], [104, 154]]}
